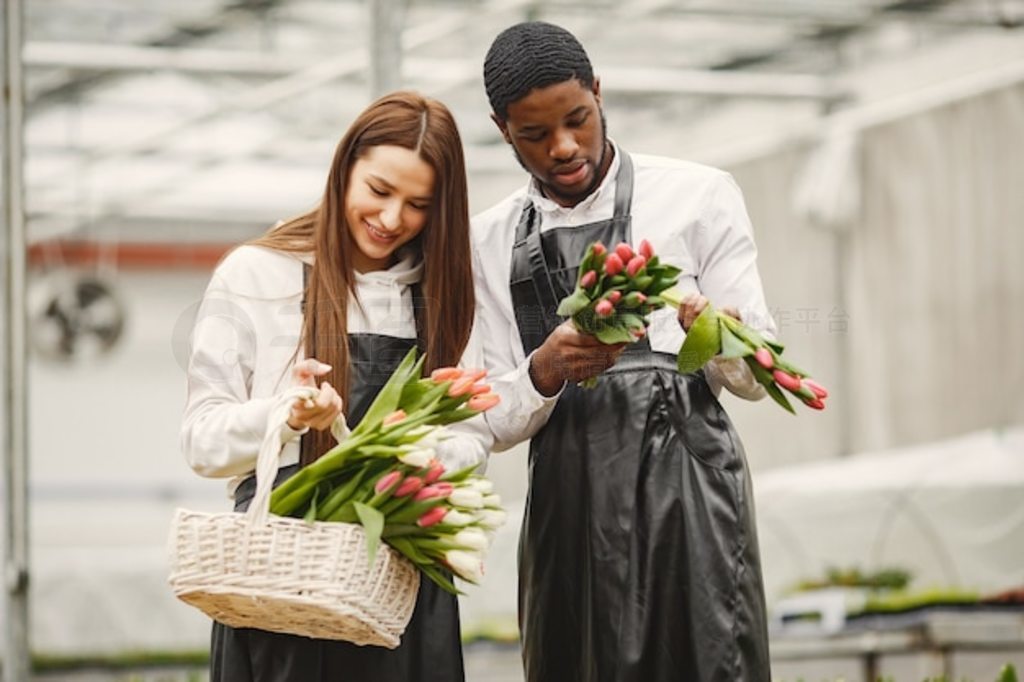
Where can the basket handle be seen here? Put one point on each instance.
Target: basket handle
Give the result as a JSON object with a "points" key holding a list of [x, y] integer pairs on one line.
{"points": [[270, 451]]}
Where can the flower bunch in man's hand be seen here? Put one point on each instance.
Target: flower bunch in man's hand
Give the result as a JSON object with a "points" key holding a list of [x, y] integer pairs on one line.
{"points": [[384, 475], [617, 290]]}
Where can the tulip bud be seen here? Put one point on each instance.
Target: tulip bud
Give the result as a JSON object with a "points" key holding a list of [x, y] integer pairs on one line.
{"points": [[454, 517], [764, 358], [480, 388], [471, 538], [491, 518], [624, 251], [429, 492], [442, 374], [613, 265], [786, 380], [816, 388], [634, 299], [588, 279], [604, 307], [599, 249], [492, 501], [645, 249], [394, 418], [461, 386], [431, 517], [466, 498], [483, 402], [614, 296], [484, 485], [817, 404], [418, 457], [445, 486], [635, 265], [410, 485], [387, 481], [467, 565], [639, 332], [435, 472]]}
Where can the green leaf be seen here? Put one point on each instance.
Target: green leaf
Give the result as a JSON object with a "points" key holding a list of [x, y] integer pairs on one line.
{"points": [[733, 346], [703, 342], [460, 475], [435, 574], [778, 396], [573, 303], [340, 495], [613, 334], [373, 524], [310, 515], [631, 321], [408, 549], [386, 401], [765, 378]]}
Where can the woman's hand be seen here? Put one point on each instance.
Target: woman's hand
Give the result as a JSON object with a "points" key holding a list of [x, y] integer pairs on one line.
{"points": [[318, 413]]}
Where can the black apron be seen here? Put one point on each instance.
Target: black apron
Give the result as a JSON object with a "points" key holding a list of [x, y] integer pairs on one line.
{"points": [[638, 553], [430, 649]]}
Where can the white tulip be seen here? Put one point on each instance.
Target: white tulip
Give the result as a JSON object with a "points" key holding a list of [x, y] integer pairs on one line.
{"points": [[466, 498], [491, 518], [467, 565], [456, 518], [471, 538], [417, 457], [492, 501], [484, 485]]}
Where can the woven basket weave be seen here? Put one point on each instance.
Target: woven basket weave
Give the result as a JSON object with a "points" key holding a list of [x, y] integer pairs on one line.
{"points": [[285, 575]]}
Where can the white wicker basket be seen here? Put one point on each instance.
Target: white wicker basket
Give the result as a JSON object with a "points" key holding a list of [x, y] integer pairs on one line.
{"points": [[285, 575]]}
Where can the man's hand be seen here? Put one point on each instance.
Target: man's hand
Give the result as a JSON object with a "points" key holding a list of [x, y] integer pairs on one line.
{"points": [[569, 355], [320, 413], [693, 305]]}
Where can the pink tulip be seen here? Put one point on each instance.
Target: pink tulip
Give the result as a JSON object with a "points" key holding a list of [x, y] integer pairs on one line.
{"points": [[604, 307], [480, 388], [387, 481], [445, 374], [614, 296], [462, 386], [429, 493], [613, 265], [816, 404], [394, 418], [764, 358], [410, 485], [786, 380], [635, 265], [625, 251], [817, 389], [588, 279], [431, 517], [639, 332], [434, 472], [645, 249], [599, 249], [483, 402]]}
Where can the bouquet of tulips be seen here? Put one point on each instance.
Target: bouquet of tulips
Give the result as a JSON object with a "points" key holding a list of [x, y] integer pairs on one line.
{"points": [[384, 476], [617, 290]]}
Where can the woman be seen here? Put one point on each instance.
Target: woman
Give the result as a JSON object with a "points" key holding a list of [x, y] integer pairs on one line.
{"points": [[337, 296]]}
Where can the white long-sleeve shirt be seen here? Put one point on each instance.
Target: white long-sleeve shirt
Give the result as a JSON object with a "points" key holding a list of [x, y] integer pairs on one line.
{"points": [[246, 340], [694, 217]]}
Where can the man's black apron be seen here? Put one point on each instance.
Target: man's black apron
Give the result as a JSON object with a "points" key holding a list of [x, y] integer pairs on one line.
{"points": [[430, 650], [638, 553]]}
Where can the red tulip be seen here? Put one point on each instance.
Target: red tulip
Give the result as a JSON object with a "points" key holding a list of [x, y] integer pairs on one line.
{"points": [[431, 517], [445, 374], [483, 402], [613, 265], [635, 265], [387, 481], [817, 404], [599, 249], [816, 388], [624, 251], [588, 279], [645, 249], [429, 493], [764, 358], [410, 485], [614, 296], [604, 307], [786, 380], [434, 472]]}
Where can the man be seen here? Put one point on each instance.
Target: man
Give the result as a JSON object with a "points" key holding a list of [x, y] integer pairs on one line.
{"points": [[638, 555]]}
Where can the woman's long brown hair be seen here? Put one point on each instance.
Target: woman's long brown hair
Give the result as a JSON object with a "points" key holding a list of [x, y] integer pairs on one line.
{"points": [[425, 126]]}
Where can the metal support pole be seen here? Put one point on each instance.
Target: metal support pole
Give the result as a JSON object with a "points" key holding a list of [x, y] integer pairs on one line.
{"points": [[16, 661], [386, 21]]}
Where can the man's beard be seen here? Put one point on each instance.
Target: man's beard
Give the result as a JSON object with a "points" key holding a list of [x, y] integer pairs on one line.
{"points": [[576, 197]]}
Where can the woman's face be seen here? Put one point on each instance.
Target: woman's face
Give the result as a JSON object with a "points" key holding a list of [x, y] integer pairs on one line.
{"points": [[387, 203]]}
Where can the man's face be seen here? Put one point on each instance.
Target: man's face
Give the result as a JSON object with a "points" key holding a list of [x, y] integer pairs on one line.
{"points": [[558, 135]]}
